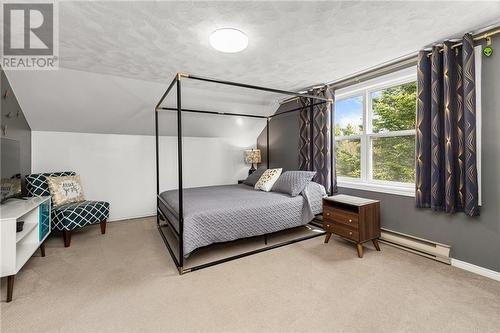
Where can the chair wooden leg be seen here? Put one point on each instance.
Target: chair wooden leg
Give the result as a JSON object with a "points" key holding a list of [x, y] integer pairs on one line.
{"points": [[103, 226], [67, 238], [42, 249], [10, 287]]}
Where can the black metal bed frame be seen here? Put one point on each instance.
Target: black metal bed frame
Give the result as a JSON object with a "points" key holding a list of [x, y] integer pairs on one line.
{"points": [[160, 216]]}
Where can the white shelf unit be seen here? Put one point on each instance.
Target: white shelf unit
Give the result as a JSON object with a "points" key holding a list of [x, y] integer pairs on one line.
{"points": [[28, 228], [16, 248]]}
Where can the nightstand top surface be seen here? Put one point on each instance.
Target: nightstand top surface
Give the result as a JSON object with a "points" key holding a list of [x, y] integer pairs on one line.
{"points": [[350, 200]]}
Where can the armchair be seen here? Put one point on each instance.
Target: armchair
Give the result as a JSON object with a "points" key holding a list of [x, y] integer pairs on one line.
{"points": [[71, 216]]}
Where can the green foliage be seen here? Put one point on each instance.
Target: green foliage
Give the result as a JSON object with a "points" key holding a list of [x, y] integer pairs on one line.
{"points": [[394, 159], [394, 109], [338, 130], [348, 153]]}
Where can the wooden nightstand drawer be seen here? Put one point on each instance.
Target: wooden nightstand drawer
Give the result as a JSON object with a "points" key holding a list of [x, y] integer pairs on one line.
{"points": [[341, 216], [328, 225], [346, 232], [327, 213]]}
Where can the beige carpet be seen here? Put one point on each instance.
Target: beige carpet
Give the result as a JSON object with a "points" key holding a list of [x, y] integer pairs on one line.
{"points": [[124, 281]]}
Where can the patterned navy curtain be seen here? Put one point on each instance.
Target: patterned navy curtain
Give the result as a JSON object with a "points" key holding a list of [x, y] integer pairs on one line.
{"points": [[318, 155], [446, 169]]}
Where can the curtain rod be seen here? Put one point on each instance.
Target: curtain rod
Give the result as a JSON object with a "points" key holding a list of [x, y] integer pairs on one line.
{"points": [[476, 38], [402, 62], [389, 66], [399, 63]]}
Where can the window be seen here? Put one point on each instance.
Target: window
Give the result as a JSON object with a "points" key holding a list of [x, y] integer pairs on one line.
{"points": [[375, 134], [348, 130]]}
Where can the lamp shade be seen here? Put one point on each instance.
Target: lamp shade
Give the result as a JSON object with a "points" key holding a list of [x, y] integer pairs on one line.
{"points": [[252, 156]]}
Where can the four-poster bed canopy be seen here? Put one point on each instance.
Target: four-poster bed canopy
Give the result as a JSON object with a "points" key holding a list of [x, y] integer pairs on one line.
{"points": [[163, 210]]}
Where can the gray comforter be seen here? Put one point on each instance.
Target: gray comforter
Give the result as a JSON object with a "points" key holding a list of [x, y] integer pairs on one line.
{"points": [[223, 213]]}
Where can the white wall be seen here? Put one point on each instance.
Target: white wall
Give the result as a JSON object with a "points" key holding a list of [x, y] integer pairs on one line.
{"points": [[120, 169]]}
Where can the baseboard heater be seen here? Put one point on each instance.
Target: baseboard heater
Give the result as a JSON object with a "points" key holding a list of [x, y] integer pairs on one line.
{"points": [[423, 247]]}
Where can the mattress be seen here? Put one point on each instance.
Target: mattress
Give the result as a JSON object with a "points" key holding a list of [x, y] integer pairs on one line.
{"points": [[224, 213]]}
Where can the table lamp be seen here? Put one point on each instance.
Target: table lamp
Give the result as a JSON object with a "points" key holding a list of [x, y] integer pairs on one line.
{"points": [[252, 156]]}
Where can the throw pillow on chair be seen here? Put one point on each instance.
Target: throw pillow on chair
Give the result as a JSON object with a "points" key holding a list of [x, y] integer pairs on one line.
{"points": [[65, 189], [70, 210]]}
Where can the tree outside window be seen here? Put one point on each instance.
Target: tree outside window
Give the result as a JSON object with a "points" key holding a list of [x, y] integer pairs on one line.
{"points": [[375, 134]]}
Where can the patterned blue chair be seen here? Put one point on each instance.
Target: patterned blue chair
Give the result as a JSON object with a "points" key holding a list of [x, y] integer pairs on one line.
{"points": [[71, 216]]}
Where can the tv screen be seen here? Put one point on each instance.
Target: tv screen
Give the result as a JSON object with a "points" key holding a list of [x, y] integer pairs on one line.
{"points": [[11, 169]]}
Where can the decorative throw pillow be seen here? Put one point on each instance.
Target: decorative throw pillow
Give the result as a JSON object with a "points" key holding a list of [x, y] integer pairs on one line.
{"points": [[65, 189], [10, 187], [293, 182], [254, 177], [267, 180]]}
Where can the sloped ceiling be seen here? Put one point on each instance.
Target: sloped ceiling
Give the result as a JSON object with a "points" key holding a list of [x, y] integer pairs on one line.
{"points": [[116, 58]]}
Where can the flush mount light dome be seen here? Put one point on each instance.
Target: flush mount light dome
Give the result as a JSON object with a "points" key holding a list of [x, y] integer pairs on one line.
{"points": [[228, 40]]}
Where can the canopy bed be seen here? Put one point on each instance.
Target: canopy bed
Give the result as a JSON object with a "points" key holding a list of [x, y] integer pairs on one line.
{"points": [[201, 216]]}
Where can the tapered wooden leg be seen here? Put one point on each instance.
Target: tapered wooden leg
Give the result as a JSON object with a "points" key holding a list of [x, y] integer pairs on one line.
{"points": [[10, 287], [265, 239], [375, 243], [327, 237], [42, 249], [359, 247], [67, 238], [103, 227]]}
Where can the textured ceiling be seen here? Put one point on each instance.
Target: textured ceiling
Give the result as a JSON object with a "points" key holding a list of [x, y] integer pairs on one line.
{"points": [[291, 45]]}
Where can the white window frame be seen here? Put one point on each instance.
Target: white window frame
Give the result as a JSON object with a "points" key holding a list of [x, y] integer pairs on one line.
{"points": [[365, 89]]}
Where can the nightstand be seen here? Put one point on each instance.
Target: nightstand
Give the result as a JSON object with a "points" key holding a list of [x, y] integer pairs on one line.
{"points": [[356, 219]]}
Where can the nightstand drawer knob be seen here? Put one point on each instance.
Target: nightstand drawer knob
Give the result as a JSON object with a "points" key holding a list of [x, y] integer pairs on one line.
{"points": [[350, 233], [350, 220], [327, 225], [327, 214]]}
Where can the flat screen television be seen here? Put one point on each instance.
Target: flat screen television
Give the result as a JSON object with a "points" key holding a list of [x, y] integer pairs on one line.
{"points": [[11, 169]]}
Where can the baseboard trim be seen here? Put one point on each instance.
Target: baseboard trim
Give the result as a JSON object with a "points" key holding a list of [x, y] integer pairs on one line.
{"points": [[476, 269], [123, 218]]}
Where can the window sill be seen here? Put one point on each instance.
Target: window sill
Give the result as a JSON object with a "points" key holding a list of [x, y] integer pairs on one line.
{"points": [[407, 191]]}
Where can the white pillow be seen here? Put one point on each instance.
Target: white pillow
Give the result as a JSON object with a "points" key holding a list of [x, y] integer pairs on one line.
{"points": [[65, 189], [267, 180]]}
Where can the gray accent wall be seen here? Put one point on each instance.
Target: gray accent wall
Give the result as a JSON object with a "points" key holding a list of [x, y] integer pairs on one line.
{"points": [[15, 124], [283, 138], [473, 240]]}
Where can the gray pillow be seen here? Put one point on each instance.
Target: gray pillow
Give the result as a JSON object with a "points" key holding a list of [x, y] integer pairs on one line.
{"points": [[293, 182], [254, 177]]}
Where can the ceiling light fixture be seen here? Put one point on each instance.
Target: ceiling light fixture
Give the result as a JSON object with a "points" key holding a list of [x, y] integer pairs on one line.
{"points": [[228, 40]]}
